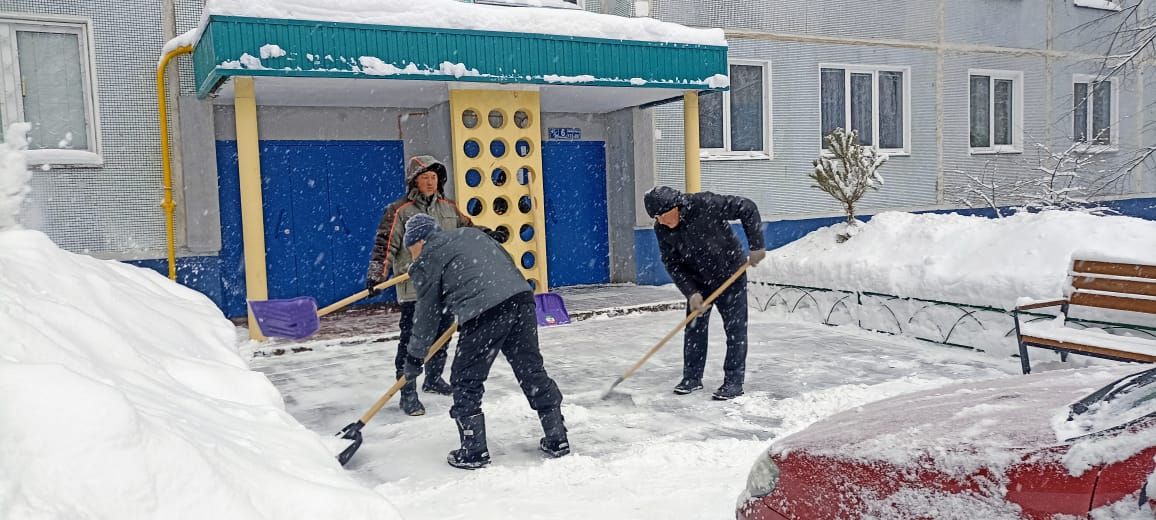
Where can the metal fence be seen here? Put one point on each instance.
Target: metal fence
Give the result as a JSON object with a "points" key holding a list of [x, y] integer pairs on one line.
{"points": [[969, 326]]}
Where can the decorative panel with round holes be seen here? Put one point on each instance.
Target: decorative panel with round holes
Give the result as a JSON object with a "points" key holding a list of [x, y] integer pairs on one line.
{"points": [[497, 163]]}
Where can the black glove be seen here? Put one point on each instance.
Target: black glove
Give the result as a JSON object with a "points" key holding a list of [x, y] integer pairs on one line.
{"points": [[412, 368], [371, 284], [501, 235]]}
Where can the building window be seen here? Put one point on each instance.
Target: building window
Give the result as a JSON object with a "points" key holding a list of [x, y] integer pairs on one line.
{"points": [[872, 101], [736, 124], [51, 87], [996, 111], [1094, 111]]}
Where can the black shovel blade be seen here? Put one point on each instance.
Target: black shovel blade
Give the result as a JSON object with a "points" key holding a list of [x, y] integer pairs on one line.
{"points": [[352, 433]]}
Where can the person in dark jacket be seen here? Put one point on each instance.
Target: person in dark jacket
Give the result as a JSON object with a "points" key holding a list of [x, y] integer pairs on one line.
{"points": [[465, 271], [425, 180], [700, 251]]}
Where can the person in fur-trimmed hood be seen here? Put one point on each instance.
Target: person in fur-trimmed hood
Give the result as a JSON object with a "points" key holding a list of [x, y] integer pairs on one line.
{"points": [[425, 180]]}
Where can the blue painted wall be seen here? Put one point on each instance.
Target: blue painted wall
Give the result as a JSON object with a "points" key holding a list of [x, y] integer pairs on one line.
{"points": [[577, 233], [200, 273], [782, 232], [322, 203]]}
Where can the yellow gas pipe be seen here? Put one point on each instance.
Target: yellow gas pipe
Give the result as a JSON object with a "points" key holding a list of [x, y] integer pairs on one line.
{"points": [[166, 160]]}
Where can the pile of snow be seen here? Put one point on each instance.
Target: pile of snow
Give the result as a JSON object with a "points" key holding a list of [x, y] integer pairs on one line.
{"points": [[124, 397], [968, 260], [14, 175], [453, 14]]}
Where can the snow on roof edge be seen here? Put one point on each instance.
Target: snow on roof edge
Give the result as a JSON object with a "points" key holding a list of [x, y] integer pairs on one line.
{"points": [[452, 14]]}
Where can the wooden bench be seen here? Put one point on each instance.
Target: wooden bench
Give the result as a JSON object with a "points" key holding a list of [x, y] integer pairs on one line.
{"points": [[1096, 284]]}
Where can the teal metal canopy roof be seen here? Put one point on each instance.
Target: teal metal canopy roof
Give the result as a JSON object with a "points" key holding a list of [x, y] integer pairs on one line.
{"points": [[231, 46]]}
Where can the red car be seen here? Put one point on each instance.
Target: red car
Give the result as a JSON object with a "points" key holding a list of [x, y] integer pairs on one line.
{"points": [[1071, 442]]}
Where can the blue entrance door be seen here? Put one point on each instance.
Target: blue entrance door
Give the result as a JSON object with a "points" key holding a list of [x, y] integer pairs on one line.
{"points": [[577, 240], [322, 202]]}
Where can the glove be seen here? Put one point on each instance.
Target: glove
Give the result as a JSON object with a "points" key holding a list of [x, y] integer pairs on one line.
{"points": [[695, 302], [412, 368], [757, 255], [371, 284], [501, 235]]}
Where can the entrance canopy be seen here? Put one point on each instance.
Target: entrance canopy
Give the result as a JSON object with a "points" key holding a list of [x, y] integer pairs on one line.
{"points": [[580, 61]]}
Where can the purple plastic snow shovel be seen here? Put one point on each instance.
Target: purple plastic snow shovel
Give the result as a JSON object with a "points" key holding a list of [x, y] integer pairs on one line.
{"points": [[298, 318], [550, 309]]}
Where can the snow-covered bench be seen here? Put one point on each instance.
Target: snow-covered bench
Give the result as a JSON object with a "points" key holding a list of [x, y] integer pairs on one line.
{"points": [[1111, 286]]}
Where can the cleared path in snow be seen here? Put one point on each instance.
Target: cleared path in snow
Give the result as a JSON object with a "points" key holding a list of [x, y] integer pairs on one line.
{"points": [[665, 456]]}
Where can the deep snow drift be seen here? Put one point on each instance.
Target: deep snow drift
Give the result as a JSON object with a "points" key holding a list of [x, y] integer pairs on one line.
{"points": [[124, 397], [969, 260]]}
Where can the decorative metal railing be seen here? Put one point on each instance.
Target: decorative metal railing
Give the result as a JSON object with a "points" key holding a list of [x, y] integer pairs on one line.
{"points": [[949, 323]]}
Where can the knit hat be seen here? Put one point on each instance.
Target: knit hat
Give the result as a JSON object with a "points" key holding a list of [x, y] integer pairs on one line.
{"points": [[661, 199], [419, 227]]}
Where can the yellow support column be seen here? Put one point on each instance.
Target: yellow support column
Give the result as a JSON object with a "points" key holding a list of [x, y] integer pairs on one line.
{"points": [[690, 141], [252, 213]]}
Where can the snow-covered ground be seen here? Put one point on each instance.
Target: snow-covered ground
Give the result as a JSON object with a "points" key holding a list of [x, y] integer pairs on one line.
{"points": [[656, 455]]}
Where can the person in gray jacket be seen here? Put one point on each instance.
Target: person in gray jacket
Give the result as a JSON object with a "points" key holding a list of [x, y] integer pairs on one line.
{"points": [[425, 180], [468, 273]]}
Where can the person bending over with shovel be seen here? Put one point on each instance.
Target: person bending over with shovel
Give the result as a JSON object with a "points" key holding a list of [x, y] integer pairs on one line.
{"points": [[467, 272], [425, 179], [701, 251]]}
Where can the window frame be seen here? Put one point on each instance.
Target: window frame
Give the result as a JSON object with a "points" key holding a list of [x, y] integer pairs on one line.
{"points": [[1114, 123], [1017, 129], [874, 70], [725, 153], [12, 98]]}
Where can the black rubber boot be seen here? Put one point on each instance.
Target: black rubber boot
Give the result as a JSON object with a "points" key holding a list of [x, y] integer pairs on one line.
{"points": [[473, 453], [555, 443], [409, 402], [437, 386]]}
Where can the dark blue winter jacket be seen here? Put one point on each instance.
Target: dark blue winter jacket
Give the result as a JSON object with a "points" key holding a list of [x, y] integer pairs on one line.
{"points": [[703, 250]]}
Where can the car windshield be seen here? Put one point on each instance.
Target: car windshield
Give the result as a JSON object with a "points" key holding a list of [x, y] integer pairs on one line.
{"points": [[1118, 403]]}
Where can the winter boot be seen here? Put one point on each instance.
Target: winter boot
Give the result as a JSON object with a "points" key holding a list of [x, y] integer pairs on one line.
{"points": [[437, 385], [728, 391], [409, 402], [473, 453], [555, 443], [687, 385]]}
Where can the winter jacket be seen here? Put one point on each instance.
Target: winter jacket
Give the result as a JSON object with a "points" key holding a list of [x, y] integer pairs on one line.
{"points": [[464, 271], [703, 251], [388, 252]]}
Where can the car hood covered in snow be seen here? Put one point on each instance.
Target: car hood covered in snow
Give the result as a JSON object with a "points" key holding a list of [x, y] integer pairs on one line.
{"points": [[960, 426]]}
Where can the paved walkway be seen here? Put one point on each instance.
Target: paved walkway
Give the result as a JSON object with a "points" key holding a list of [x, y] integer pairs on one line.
{"points": [[380, 322]]}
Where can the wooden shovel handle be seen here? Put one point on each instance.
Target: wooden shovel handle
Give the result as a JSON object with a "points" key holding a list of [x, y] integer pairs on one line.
{"points": [[689, 317], [441, 342], [352, 298]]}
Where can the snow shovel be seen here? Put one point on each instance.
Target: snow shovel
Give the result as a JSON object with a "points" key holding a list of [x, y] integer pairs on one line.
{"points": [[550, 310], [298, 318], [682, 325], [352, 432]]}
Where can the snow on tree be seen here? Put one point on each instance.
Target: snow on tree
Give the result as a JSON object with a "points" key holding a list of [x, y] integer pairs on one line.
{"points": [[14, 175], [851, 171]]}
